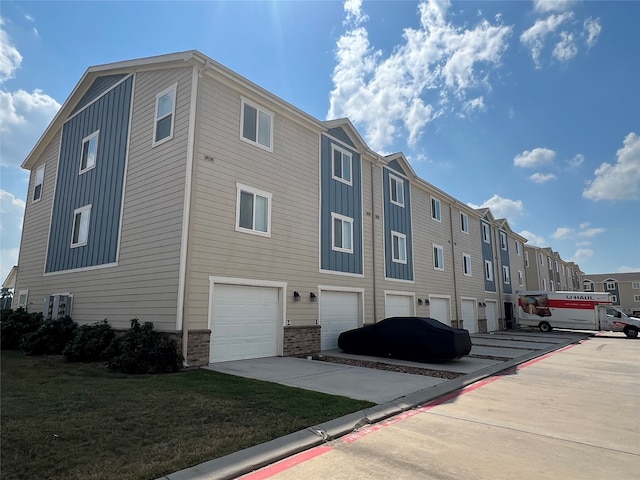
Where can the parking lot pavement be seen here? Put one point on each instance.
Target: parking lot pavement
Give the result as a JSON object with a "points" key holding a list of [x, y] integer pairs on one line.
{"points": [[394, 393], [572, 413]]}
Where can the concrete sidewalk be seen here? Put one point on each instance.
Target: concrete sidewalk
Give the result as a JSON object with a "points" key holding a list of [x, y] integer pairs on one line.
{"points": [[393, 392]]}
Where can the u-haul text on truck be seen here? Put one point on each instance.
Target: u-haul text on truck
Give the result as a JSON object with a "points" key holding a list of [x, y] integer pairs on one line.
{"points": [[575, 310]]}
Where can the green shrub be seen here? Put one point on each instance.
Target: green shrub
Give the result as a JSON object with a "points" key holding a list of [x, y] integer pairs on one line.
{"points": [[50, 338], [89, 343], [16, 325], [143, 350]]}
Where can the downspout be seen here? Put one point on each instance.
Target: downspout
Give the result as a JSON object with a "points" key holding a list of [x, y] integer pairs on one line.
{"points": [[186, 214], [453, 256], [373, 249]]}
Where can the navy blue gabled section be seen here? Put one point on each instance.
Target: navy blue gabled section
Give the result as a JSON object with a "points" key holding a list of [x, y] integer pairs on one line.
{"points": [[97, 88], [341, 135], [338, 197], [505, 262], [487, 255], [394, 164], [397, 219], [100, 187]]}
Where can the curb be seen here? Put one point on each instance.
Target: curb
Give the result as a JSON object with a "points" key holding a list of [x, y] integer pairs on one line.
{"points": [[253, 458]]}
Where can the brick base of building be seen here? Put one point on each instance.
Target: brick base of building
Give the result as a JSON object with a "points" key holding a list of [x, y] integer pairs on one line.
{"points": [[482, 325], [457, 323], [301, 340], [198, 347]]}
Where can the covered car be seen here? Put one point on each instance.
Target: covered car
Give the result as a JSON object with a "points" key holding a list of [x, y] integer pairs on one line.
{"points": [[407, 338]]}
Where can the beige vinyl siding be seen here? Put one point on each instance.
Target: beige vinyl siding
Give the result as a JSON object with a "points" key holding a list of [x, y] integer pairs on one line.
{"points": [[144, 284], [468, 243]]}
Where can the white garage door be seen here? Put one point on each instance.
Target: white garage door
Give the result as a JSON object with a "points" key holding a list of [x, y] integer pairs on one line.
{"points": [[398, 306], [439, 309], [245, 322], [492, 320], [469, 319], [339, 312]]}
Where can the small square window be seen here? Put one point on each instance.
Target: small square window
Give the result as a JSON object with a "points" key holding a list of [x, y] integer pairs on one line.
{"points": [[635, 285], [342, 233], [438, 257], [610, 285], [435, 210], [486, 233], [636, 298], [503, 240], [89, 152], [253, 211], [164, 115], [257, 125], [464, 222], [81, 219], [341, 168], [23, 296], [38, 182], [488, 270], [466, 264], [614, 298], [396, 187], [399, 247]]}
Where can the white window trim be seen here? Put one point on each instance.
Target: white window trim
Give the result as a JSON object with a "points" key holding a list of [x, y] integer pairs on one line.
{"points": [[520, 278], [464, 223], [541, 260], [440, 248], [82, 210], [394, 180], [466, 257], [636, 298], [343, 152], [635, 285], [504, 241], [488, 270], [614, 298], [173, 88], [244, 188], [401, 236], [486, 232], [518, 248], [544, 284], [439, 204], [610, 285], [259, 109], [344, 219], [549, 263], [506, 275], [26, 298], [41, 168], [526, 259], [85, 140]]}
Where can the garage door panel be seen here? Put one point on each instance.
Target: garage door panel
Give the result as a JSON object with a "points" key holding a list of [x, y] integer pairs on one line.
{"points": [[245, 322], [469, 319], [339, 312], [398, 306], [439, 309], [492, 321]]}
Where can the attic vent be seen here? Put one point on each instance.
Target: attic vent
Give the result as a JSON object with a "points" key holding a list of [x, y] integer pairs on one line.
{"points": [[57, 306]]}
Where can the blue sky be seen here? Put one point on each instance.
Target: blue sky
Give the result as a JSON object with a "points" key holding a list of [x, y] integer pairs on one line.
{"points": [[528, 107]]}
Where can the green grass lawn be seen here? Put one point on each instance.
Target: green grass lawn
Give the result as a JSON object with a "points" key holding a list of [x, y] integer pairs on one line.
{"points": [[80, 421]]}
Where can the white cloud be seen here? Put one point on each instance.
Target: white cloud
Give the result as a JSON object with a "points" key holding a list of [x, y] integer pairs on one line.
{"points": [[542, 177], [503, 207], [534, 37], [591, 232], [534, 158], [11, 214], [561, 233], [545, 6], [584, 225], [535, 240], [10, 58], [582, 255], [592, 29], [475, 104], [626, 269], [566, 48], [431, 73], [9, 258], [620, 181], [576, 161]]}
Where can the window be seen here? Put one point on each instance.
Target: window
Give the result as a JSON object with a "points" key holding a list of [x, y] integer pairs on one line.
{"points": [[38, 181], [549, 262], [253, 211], [23, 296], [257, 125], [486, 233], [81, 218], [544, 284], [341, 168], [520, 278], [438, 257], [396, 189], [563, 271], [614, 298], [165, 110], [518, 247], [635, 285], [588, 287], [506, 277], [488, 270], [557, 267], [636, 298], [503, 240], [342, 233], [526, 259], [466, 264], [399, 247], [541, 260], [435, 210], [610, 285], [89, 152], [553, 286], [464, 222]]}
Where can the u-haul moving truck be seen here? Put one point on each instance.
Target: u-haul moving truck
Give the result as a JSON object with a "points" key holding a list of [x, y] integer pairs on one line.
{"points": [[576, 310]]}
